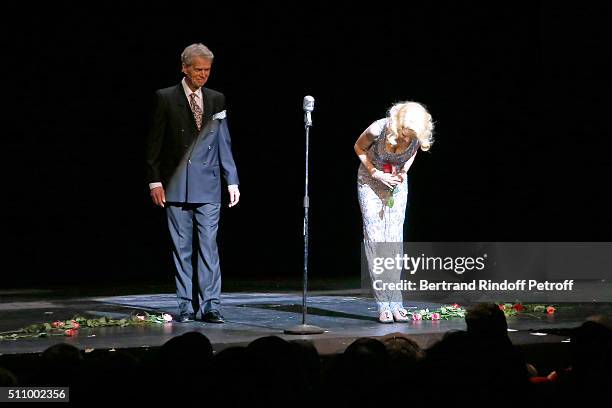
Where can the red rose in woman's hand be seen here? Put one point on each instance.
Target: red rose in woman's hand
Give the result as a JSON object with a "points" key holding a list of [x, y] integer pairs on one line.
{"points": [[387, 168]]}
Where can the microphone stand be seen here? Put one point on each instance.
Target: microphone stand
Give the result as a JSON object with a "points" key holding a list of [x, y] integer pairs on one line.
{"points": [[305, 328]]}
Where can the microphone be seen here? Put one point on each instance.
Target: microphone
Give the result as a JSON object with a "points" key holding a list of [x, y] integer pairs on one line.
{"points": [[308, 107]]}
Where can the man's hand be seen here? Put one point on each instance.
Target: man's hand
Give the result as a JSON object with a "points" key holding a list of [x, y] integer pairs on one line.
{"points": [[158, 195], [234, 194]]}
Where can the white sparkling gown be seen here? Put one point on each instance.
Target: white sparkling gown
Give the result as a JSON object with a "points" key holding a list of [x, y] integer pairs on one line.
{"points": [[383, 224]]}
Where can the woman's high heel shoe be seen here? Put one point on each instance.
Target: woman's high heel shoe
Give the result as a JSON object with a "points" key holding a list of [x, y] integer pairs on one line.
{"points": [[385, 316]]}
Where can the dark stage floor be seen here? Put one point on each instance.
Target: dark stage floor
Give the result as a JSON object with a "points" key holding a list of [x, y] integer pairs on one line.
{"points": [[344, 314]]}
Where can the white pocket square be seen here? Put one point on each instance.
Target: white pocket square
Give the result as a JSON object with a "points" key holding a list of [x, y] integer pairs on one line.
{"points": [[219, 115]]}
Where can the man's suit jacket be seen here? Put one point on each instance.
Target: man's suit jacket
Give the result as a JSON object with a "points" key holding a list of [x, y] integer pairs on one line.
{"points": [[189, 163]]}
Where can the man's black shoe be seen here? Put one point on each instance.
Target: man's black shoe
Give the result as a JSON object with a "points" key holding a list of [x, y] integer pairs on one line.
{"points": [[186, 318], [213, 317]]}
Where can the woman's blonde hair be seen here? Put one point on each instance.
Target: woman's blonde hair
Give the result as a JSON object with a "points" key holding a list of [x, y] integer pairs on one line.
{"points": [[412, 115]]}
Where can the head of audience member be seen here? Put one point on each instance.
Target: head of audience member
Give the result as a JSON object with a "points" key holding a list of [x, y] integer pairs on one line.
{"points": [[486, 319]]}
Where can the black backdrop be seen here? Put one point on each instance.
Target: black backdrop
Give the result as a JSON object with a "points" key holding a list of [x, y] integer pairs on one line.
{"points": [[518, 95]]}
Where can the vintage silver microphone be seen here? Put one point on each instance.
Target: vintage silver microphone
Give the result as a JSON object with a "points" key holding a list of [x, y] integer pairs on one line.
{"points": [[308, 107], [304, 328]]}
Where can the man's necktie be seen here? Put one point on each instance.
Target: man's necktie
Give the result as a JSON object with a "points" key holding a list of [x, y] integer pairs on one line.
{"points": [[197, 111]]}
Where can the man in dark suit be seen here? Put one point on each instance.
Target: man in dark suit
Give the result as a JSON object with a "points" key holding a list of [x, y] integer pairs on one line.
{"points": [[188, 149]]}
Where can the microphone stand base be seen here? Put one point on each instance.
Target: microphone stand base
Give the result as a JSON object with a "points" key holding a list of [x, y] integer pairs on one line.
{"points": [[304, 329]]}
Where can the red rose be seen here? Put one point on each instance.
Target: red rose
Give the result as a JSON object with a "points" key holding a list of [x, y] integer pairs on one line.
{"points": [[387, 168], [550, 310], [501, 307], [70, 332], [518, 307], [57, 324], [455, 305], [75, 325]]}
